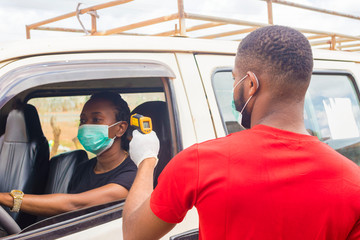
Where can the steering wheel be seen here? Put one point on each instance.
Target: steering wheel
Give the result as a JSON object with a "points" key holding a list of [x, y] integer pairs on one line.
{"points": [[8, 223]]}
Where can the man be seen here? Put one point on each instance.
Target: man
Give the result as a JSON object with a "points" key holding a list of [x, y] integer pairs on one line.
{"points": [[273, 181]]}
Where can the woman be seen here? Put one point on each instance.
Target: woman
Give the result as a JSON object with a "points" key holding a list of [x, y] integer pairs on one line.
{"points": [[106, 178]]}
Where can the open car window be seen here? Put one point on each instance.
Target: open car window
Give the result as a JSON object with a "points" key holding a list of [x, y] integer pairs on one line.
{"points": [[59, 117]]}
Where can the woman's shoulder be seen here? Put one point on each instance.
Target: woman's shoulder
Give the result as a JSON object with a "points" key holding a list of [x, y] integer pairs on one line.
{"points": [[128, 164], [88, 164]]}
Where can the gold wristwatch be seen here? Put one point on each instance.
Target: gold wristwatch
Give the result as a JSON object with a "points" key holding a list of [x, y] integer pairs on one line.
{"points": [[18, 197]]}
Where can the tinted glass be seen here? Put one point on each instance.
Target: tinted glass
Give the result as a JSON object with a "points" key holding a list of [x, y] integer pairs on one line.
{"points": [[332, 113], [223, 83]]}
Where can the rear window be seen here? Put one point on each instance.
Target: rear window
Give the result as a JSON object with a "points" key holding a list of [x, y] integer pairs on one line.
{"points": [[332, 113]]}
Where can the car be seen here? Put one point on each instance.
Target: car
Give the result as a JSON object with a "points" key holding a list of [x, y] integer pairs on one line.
{"points": [[190, 79]]}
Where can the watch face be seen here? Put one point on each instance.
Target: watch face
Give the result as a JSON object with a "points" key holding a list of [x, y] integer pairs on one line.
{"points": [[17, 193]]}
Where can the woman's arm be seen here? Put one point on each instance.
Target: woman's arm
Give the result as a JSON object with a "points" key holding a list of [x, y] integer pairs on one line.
{"points": [[53, 204]]}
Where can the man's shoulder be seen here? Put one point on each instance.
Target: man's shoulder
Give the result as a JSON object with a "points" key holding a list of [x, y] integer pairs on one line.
{"points": [[225, 141], [212, 146]]}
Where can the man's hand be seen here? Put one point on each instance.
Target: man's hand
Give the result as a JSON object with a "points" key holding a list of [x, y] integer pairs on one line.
{"points": [[143, 146], [137, 213]]}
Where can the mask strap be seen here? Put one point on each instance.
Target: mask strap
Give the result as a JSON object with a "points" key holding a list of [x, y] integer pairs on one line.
{"points": [[245, 104], [240, 81], [114, 124], [257, 81], [258, 84]]}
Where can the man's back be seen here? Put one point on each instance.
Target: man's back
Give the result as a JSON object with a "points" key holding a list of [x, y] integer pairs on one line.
{"points": [[294, 188]]}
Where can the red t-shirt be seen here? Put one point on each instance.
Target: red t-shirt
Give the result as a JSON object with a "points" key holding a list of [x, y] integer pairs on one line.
{"points": [[262, 183]]}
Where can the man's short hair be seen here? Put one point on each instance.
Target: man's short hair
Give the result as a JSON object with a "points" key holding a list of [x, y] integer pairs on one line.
{"points": [[281, 52]]}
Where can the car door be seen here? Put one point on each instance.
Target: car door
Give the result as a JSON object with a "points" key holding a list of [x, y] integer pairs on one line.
{"points": [[215, 71], [64, 74]]}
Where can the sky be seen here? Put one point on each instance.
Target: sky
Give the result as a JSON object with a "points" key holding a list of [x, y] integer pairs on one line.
{"points": [[15, 14]]}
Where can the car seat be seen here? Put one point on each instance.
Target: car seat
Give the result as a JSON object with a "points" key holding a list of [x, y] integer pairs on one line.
{"points": [[158, 112], [24, 157], [62, 167]]}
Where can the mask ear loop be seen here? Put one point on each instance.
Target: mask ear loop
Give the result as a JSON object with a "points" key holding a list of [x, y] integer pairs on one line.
{"points": [[258, 84], [113, 139], [257, 80], [112, 126]]}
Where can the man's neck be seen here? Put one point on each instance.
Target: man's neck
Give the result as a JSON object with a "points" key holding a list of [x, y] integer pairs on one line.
{"points": [[289, 117]]}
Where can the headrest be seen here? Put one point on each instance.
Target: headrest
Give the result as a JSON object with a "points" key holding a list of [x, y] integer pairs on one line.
{"points": [[32, 122], [23, 125], [15, 130]]}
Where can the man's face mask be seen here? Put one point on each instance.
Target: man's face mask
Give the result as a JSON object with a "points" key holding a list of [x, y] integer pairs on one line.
{"points": [[245, 117], [95, 138]]}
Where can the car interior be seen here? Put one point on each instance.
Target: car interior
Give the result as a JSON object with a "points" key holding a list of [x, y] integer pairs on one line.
{"points": [[25, 161]]}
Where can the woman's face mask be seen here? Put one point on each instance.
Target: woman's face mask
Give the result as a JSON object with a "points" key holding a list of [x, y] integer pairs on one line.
{"points": [[95, 137]]}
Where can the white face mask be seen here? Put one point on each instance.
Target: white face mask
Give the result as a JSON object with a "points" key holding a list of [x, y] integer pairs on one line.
{"points": [[240, 118]]}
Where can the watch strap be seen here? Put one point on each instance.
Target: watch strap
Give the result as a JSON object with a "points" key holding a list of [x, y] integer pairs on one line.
{"points": [[18, 197]]}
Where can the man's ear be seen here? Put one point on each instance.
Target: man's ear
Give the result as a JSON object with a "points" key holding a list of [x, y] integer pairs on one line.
{"points": [[122, 126], [254, 83]]}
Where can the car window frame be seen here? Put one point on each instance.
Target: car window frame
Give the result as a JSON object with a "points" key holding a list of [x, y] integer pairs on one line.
{"points": [[217, 70], [47, 73], [69, 223]]}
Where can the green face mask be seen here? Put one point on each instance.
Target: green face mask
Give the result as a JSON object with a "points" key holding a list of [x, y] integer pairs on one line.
{"points": [[95, 138]]}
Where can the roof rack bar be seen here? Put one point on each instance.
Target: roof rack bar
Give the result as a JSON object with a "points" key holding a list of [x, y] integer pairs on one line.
{"points": [[166, 34], [322, 42], [191, 29], [322, 38], [350, 45], [353, 50], [313, 8], [73, 14], [58, 29], [138, 25], [204, 26], [230, 33], [316, 36], [303, 30], [224, 20], [181, 13], [270, 12], [255, 24]]}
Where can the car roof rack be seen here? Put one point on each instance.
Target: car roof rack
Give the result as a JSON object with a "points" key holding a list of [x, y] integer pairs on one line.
{"points": [[318, 39]]}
